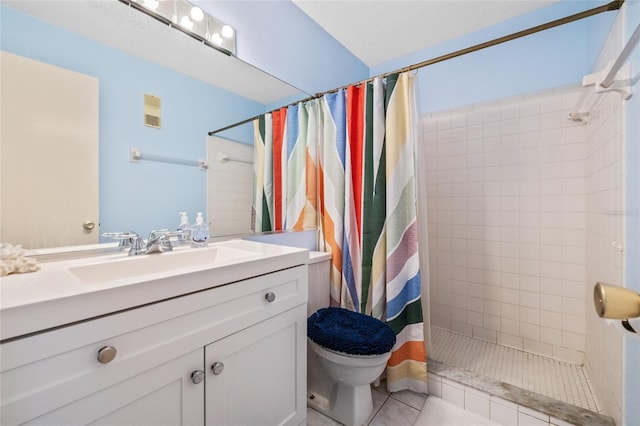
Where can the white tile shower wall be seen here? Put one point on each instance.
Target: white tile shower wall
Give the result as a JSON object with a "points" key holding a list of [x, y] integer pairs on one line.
{"points": [[229, 187], [485, 405], [506, 196], [605, 217]]}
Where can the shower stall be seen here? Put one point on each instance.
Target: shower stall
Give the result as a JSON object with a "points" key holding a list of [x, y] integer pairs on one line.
{"points": [[528, 205], [526, 212]]}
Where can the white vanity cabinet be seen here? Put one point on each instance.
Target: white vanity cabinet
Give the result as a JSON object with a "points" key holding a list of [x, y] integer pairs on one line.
{"points": [[256, 375], [253, 331]]}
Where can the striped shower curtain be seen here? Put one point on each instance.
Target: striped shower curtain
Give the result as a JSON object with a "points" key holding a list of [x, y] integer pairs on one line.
{"points": [[362, 173], [285, 189]]}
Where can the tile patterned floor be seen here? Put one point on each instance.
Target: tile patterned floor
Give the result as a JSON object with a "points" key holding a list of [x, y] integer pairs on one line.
{"points": [[437, 412], [555, 379], [407, 408], [397, 409]]}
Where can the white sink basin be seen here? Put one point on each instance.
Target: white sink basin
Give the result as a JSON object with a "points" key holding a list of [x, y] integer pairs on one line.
{"points": [[72, 290], [141, 265]]}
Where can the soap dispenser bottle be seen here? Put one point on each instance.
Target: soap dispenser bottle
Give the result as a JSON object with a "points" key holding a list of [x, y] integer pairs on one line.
{"points": [[199, 233], [184, 227]]}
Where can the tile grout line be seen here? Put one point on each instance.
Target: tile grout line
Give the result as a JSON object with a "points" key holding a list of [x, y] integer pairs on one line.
{"points": [[386, 398], [562, 380]]}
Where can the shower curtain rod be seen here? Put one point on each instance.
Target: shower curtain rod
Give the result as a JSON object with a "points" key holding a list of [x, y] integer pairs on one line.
{"points": [[613, 5]]}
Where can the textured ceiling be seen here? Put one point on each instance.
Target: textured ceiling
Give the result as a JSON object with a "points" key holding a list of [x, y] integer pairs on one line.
{"points": [[377, 31]]}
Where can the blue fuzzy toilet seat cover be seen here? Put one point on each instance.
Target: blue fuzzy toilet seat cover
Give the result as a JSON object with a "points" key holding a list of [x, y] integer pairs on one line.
{"points": [[352, 333]]}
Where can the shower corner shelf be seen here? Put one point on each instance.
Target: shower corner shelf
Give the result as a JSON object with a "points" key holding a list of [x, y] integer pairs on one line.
{"points": [[620, 85], [615, 77], [603, 83]]}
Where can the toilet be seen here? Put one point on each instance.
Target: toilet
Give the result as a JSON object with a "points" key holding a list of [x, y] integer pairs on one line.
{"points": [[346, 352]]}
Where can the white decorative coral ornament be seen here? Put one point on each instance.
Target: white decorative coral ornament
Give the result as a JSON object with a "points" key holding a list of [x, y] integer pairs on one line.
{"points": [[14, 261]]}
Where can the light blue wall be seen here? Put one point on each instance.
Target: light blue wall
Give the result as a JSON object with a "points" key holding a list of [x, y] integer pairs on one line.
{"points": [[277, 37], [631, 407], [146, 195], [280, 44], [552, 58]]}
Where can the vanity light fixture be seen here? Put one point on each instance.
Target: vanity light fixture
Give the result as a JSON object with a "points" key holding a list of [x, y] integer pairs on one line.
{"points": [[227, 31], [197, 14], [191, 20], [151, 4]]}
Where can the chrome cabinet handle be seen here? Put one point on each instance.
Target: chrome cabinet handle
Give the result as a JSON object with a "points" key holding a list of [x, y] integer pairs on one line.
{"points": [[217, 368], [197, 376], [270, 297], [106, 354]]}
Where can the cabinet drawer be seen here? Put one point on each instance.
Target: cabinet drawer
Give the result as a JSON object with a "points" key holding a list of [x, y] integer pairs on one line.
{"points": [[51, 369]]}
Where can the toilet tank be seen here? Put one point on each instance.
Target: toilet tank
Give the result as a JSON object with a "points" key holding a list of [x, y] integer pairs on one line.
{"points": [[319, 287]]}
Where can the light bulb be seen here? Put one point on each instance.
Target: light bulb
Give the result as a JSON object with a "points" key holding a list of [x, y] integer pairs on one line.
{"points": [[227, 31], [197, 14], [151, 4], [186, 23], [216, 39]]}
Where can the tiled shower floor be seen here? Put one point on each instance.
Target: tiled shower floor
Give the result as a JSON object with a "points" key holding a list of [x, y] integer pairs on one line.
{"points": [[545, 376]]}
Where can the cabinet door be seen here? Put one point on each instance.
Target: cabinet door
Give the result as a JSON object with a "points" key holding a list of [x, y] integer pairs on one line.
{"points": [[163, 395], [258, 376]]}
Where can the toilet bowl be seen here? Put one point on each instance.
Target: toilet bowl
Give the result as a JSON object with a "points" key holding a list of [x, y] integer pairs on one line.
{"points": [[349, 400], [341, 365]]}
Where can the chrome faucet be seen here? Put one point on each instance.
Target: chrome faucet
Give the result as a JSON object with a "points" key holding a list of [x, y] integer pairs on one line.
{"points": [[159, 241], [130, 240]]}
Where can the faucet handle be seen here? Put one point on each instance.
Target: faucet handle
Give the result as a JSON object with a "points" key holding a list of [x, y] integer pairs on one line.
{"points": [[129, 240], [159, 240], [157, 233], [137, 246], [124, 241], [124, 238], [120, 235]]}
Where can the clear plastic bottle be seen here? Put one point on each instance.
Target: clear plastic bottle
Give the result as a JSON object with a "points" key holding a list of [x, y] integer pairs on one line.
{"points": [[199, 232], [185, 227]]}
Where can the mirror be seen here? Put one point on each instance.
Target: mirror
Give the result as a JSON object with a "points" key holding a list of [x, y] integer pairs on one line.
{"points": [[132, 55]]}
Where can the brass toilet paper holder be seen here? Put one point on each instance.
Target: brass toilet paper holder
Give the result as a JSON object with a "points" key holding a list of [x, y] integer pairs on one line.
{"points": [[615, 302]]}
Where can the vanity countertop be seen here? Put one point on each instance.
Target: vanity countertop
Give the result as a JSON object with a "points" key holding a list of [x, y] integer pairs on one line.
{"points": [[68, 291]]}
